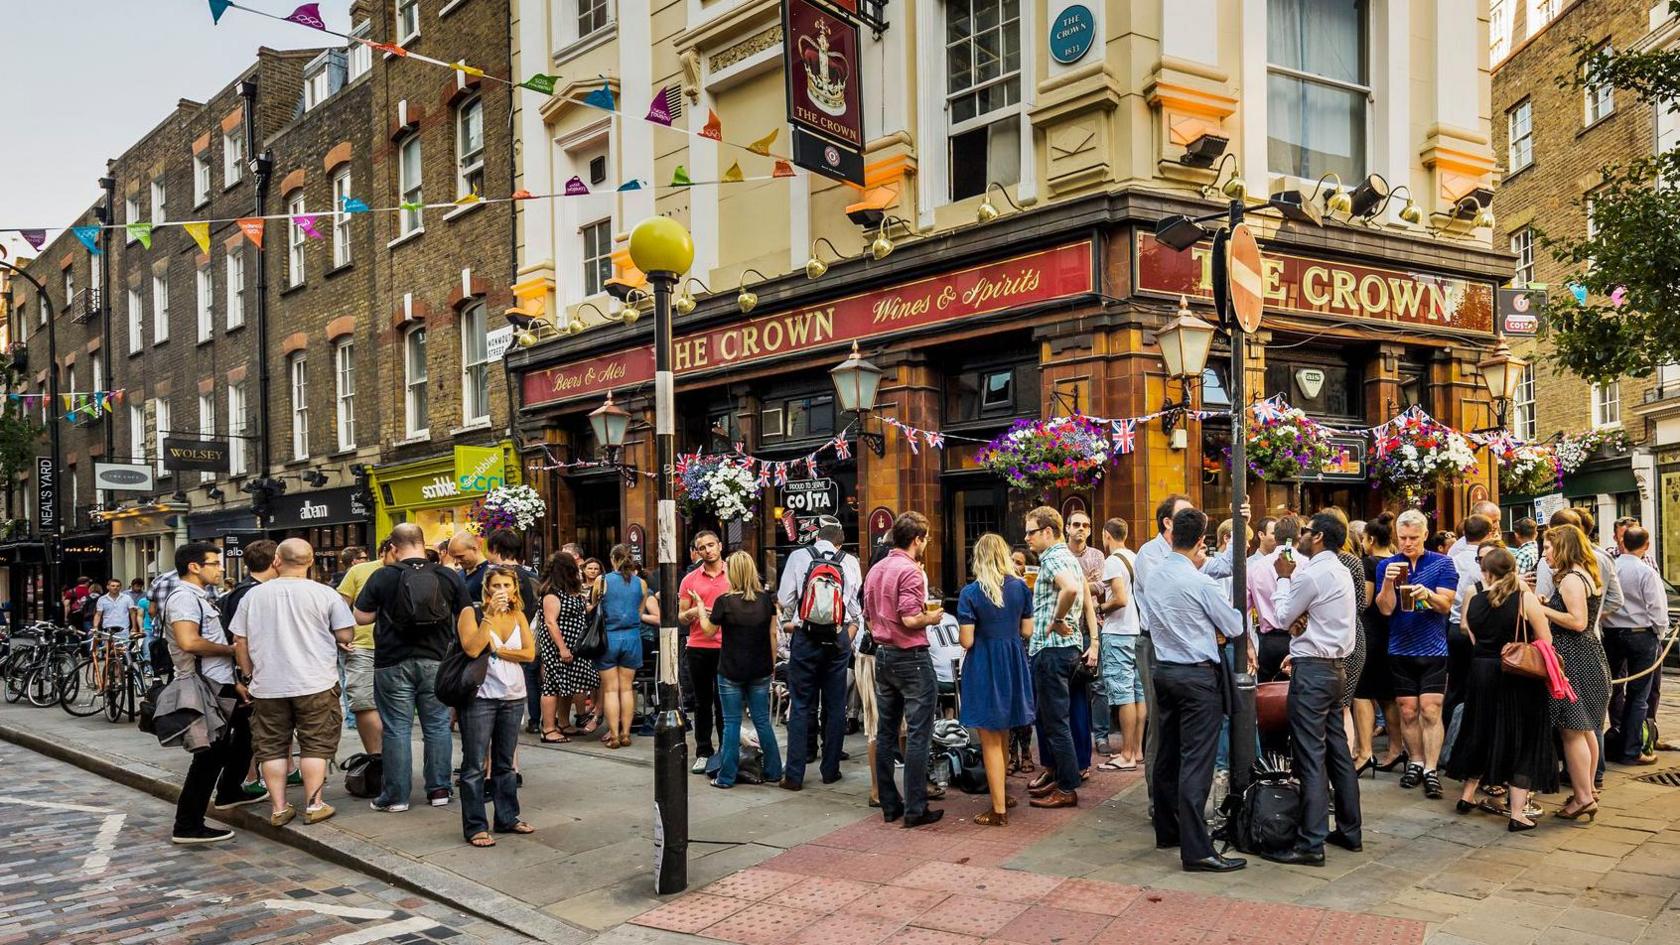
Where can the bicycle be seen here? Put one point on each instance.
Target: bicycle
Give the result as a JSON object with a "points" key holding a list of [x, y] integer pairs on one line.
{"points": [[111, 677], [52, 660]]}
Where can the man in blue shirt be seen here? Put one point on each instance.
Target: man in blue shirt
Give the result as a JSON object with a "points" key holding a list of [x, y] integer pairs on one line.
{"points": [[1187, 607], [1416, 591]]}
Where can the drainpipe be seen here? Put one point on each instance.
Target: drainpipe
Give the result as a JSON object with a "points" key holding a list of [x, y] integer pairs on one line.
{"points": [[262, 168]]}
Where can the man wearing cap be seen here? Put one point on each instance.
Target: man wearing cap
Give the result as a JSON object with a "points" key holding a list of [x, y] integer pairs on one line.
{"points": [[818, 655]]}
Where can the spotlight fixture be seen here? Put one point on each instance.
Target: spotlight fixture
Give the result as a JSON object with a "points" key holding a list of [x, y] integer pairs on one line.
{"points": [[1410, 212], [1235, 188], [214, 494], [746, 299], [1178, 232], [315, 477], [1203, 151], [1371, 192], [881, 247], [988, 211], [815, 268], [1296, 205], [1337, 200], [685, 302]]}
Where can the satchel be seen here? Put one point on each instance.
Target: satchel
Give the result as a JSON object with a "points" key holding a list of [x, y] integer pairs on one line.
{"points": [[1520, 657], [460, 675], [593, 642]]}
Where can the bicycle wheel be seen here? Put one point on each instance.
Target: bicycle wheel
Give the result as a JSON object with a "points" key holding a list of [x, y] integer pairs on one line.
{"points": [[42, 686], [17, 674], [79, 696], [116, 681]]}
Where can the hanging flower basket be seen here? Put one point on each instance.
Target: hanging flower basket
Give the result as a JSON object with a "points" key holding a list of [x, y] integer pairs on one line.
{"points": [[1285, 443], [1039, 455], [1529, 469], [1573, 452], [515, 507], [717, 486], [1415, 453]]}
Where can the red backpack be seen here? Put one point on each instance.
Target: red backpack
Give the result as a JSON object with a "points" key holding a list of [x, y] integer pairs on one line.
{"points": [[822, 604]]}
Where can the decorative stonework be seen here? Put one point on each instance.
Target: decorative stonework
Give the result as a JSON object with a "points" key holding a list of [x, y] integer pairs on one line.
{"points": [[740, 51]]}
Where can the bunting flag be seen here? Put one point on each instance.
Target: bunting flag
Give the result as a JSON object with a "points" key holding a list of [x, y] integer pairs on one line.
{"points": [[468, 199], [521, 194], [305, 222], [141, 232], [1618, 296], [781, 474], [935, 440], [680, 178], [309, 15], [465, 69], [35, 238], [733, 175], [200, 232], [116, 396], [601, 98], [762, 145], [252, 227], [389, 49], [412, 206], [576, 187], [89, 235], [631, 184], [714, 126], [842, 448], [783, 169], [1579, 291], [1267, 411], [353, 205], [541, 83], [217, 8], [661, 111], [1125, 436]]}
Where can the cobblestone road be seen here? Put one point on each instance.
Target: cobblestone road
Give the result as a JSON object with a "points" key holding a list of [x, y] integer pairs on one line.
{"points": [[84, 860]]}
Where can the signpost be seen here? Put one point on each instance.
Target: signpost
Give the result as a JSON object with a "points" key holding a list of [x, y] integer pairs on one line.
{"points": [[46, 494]]}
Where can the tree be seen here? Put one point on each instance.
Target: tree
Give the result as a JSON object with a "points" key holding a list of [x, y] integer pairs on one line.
{"points": [[1630, 266]]}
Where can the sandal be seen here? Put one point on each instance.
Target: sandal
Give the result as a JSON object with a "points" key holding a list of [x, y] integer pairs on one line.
{"points": [[520, 827], [558, 739], [609, 740], [594, 724], [572, 730], [482, 839], [991, 818], [1115, 764]]}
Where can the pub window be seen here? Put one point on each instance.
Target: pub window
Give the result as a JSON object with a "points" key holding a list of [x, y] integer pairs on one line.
{"points": [[983, 93], [810, 416], [996, 391], [1317, 87], [772, 425], [1321, 388]]}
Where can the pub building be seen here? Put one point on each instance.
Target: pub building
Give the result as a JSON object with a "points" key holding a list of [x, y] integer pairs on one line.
{"points": [[1041, 313]]}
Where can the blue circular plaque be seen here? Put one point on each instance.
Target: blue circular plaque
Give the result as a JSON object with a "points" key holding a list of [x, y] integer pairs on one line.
{"points": [[1071, 34]]}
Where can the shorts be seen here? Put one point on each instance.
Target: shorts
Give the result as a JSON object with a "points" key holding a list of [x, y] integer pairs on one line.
{"points": [[316, 719], [1119, 667], [863, 671], [358, 680], [1418, 675], [624, 650]]}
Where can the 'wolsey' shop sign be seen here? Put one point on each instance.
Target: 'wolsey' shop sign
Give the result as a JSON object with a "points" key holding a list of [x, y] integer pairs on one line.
{"points": [[1045, 276]]}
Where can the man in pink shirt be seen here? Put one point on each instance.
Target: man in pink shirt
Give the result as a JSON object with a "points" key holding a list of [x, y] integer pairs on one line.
{"points": [[700, 589], [1262, 582], [896, 607]]}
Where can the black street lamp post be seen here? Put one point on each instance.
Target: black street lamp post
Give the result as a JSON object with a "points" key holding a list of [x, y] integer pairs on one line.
{"points": [[49, 537]]}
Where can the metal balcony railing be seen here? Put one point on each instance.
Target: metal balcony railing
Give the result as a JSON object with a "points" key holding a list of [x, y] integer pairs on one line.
{"points": [[85, 305]]}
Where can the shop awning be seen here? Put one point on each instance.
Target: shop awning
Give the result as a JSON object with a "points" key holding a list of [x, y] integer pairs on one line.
{"points": [[1600, 482]]}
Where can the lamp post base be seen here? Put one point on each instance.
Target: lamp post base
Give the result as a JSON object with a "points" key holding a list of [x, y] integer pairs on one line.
{"points": [[670, 795]]}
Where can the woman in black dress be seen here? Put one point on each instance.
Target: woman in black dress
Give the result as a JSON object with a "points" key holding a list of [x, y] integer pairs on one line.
{"points": [[1506, 735], [1573, 613], [566, 681], [1376, 684]]}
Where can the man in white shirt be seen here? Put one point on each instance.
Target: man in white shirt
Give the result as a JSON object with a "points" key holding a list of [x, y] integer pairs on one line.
{"points": [[817, 657], [288, 633], [1122, 682], [1479, 530], [946, 650], [1632, 637], [1487, 510], [1322, 590]]}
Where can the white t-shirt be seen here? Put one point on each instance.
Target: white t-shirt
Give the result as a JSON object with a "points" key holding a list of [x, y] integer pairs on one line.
{"points": [[288, 624], [504, 680], [1122, 622], [189, 602], [945, 647]]}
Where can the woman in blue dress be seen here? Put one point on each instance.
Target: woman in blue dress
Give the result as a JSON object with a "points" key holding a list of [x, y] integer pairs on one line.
{"points": [[994, 613]]}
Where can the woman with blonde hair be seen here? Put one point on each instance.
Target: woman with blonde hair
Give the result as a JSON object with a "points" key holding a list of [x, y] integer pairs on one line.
{"points": [[994, 614], [1573, 614], [746, 615], [490, 723]]}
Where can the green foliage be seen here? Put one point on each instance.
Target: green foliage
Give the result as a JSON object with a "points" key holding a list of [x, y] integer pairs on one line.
{"points": [[20, 440]]}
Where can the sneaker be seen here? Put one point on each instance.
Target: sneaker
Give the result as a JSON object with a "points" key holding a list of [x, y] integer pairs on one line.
{"points": [[243, 799], [295, 778], [699, 766], [438, 798], [254, 788], [201, 835], [384, 808], [1412, 777]]}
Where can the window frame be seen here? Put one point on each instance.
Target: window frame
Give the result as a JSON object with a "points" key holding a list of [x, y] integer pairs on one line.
{"points": [[411, 221], [342, 252], [160, 307], [1524, 416], [603, 8], [1526, 108], [475, 364], [235, 288], [1598, 102], [160, 201], [416, 398], [1363, 89], [296, 258], [136, 321], [238, 425], [358, 54], [1607, 404], [233, 156], [207, 425], [411, 7], [1522, 247], [131, 214], [344, 392], [955, 128], [205, 288], [201, 178], [469, 165], [297, 377], [317, 84], [592, 265], [162, 416], [138, 435]]}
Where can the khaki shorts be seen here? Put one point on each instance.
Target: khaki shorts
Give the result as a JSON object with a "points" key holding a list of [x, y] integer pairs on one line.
{"points": [[317, 720], [863, 670], [358, 680]]}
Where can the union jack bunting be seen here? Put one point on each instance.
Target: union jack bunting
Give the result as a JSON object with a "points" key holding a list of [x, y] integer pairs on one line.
{"points": [[682, 464], [781, 474], [842, 449], [935, 440], [1125, 436], [1267, 410]]}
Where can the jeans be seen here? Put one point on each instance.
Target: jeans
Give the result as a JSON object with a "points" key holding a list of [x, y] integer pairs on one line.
{"points": [[219, 769], [905, 692], [399, 691], [702, 663], [1052, 669], [489, 728], [1319, 752], [817, 672], [1099, 698], [1629, 653], [755, 697]]}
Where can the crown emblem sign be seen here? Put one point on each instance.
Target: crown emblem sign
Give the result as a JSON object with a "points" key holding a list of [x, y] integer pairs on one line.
{"points": [[826, 72]]}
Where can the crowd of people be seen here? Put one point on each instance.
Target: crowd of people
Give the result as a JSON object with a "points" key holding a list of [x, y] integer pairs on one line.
{"points": [[1106, 657]]}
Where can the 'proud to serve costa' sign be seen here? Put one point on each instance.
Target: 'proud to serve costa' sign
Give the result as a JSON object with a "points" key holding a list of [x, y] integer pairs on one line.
{"points": [[1045, 276]]}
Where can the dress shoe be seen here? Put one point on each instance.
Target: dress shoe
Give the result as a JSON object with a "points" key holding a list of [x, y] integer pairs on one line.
{"points": [[1215, 864], [845, 755], [828, 780], [1341, 840], [1295, 857], [923, 819], [1056, 798], [1043, 790], [787, 785], [890, 816]]}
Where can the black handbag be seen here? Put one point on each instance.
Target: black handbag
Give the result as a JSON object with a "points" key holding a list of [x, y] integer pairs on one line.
{"points": [[593, 642], [460, 675]]}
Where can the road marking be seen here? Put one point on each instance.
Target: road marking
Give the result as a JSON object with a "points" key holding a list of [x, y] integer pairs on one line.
{"points": [[51, 805], [103, 842], [377, 933], [327, 908]]}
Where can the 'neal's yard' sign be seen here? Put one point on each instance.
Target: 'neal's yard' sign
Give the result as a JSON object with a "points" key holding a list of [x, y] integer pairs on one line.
{"points": [[1032, 279], [184, 455]]}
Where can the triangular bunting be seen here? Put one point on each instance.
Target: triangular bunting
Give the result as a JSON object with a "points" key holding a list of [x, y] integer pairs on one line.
{"points": [[541, 82], [467, 70], [733, 175], [306, 224], [200, 232], [35, 238], [353, 205], [389, 49], [783, 169], [576, 187], [252, 227], [631, 184], [601, 98], [412, 206], [468, 199], [714, 126], [660, 112], [309, 15], [217, 8], [141, 232], [680, 178], [521, 194], [762, 145]]}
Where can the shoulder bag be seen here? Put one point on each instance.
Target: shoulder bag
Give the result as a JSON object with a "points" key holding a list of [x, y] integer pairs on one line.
{"points": [[593, 642], [1520, 657]]}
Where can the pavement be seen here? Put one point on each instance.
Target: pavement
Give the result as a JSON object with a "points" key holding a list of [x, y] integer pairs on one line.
{"points": [[767, 866]]}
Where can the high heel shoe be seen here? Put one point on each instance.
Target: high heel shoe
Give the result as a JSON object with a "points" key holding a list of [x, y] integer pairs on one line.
{"points": [[1589, 811], [1399, 761], [1464, 807], [1370, 765], [1516, 826]]}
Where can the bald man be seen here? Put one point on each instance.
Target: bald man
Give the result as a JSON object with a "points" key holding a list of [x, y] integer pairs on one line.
{"points": [[469, 554], [1463, 551], [288, 633]]}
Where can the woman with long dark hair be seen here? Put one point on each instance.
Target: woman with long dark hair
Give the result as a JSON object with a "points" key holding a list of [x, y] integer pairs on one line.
{"points": [[1375, 687], [629, 604], [567, 681], [746, 616]]}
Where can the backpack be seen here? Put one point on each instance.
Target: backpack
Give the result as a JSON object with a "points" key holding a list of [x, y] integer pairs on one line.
{"points": [[421, 602], [148, 708], [822, 604], [1265, 817], [364, 775]]}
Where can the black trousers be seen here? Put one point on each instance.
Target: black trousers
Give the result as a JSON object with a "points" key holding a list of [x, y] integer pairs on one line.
{"points": [[1319, 752], [1274, 646], [708, 711], [1460, 653], [906, 692], [1628, 652], [816, 677], [219, 770], [1189, 705]]}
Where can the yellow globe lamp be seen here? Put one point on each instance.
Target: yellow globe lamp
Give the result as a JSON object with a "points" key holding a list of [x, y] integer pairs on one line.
{"points": [[660, 244]]}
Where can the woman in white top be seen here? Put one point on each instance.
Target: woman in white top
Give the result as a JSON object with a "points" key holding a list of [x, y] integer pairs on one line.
{"points": [[490, 725]]}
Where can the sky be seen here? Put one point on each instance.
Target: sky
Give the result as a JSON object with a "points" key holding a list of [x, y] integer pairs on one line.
{"points": [[83, 79]]}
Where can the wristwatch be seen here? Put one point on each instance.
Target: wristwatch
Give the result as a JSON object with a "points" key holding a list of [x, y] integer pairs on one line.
{"points": [[244, 678]]}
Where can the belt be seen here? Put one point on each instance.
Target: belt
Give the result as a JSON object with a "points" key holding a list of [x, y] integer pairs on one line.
{"points": [[1630, 629], [905, 649], [1316, 659], [1202, 663]]}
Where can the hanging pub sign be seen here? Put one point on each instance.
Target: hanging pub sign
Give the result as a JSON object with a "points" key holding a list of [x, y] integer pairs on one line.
{"points": [[1346, 462], [820, 61], [186, 455], [1519, 311]]}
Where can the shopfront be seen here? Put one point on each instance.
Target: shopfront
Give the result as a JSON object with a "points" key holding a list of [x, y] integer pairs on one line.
{"points": [[144, 538], [86, 553], [329, 519], [438, 493], [1042, 314]]}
